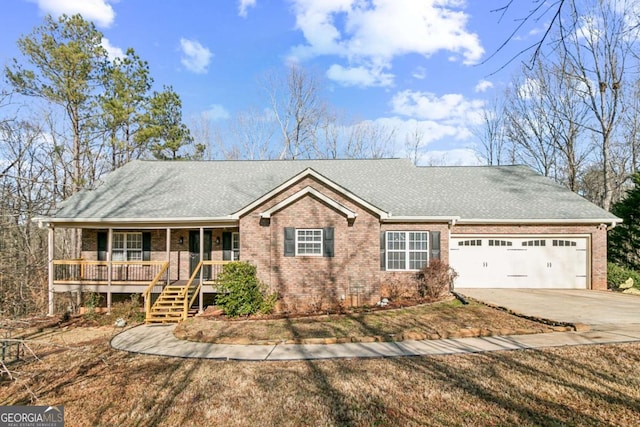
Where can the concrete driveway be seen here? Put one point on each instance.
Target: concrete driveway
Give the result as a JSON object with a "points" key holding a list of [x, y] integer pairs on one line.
{"points": [[596, 308]]}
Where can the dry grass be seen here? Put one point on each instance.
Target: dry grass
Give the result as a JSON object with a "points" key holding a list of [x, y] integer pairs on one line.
{"points": [[590, 385], [439, 319]]}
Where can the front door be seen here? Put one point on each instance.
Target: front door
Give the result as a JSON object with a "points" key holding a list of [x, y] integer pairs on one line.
{"points": [[194, 251]]}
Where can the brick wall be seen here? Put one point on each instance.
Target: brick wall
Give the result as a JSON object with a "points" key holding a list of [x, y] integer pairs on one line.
{"points": [[350, 277], [353, 276]]}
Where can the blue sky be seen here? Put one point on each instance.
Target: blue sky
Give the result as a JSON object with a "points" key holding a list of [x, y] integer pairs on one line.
{"points": [[404, 63]]}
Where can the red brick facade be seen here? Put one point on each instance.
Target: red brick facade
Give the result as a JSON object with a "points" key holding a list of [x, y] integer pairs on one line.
{"points": [[353, 276], [350, 277]]}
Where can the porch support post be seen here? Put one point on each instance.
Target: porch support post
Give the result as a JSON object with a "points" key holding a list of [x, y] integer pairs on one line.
{"points": [[169, 254], [50, 256], [109, 267], [202, 269]]}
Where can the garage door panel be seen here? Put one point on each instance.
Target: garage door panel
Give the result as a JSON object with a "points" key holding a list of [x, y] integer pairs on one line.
{"points": [[525, 262]]}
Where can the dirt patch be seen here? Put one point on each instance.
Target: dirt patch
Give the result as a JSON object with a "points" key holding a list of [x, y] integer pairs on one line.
{"points": [[448, 319]]}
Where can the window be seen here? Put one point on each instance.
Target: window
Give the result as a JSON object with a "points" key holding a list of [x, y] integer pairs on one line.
{"points": [[563, 243], [407, 250], [127, 246], [470, 243], [309, 241], [500, 243], [235, 245], [534, 243]]}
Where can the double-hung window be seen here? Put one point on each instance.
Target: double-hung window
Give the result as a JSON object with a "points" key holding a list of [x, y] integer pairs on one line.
{"points": [[309, 241], [407, 250], [127, 246]]}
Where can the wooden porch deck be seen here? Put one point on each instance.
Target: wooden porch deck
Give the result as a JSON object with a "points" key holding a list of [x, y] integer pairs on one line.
{"points": [[165, 300]]}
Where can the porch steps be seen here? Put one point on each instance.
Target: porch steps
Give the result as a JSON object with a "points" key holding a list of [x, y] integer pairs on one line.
{"points": [[169, 306]]}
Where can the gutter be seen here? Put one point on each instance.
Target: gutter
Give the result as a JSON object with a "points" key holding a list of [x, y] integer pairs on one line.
{"points": [[612, 221], [391, 219], [42, 221]]}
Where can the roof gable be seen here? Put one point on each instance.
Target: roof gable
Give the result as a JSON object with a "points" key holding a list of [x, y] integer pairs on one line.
{"points": [[313, 192], [309, 173]]}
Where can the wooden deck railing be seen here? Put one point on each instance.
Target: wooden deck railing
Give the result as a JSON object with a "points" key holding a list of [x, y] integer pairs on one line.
{"points": [[147, 292], [210, 275], [97, 272]]}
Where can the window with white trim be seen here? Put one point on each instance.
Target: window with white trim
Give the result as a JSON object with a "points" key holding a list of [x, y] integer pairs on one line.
{"points": [[309, 241], [235, 245], [127, 246], [407, 250]]}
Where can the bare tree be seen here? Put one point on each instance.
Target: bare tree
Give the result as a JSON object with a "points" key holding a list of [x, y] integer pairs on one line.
{"points": [[368, 139], [491, 134], [596, 54], [25, 192], [414, 142], [297, 108], [526, 125], [252, 132], [202, 134]]}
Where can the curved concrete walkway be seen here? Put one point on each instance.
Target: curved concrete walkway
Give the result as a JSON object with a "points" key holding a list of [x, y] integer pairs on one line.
{"points": [[159, 340]]}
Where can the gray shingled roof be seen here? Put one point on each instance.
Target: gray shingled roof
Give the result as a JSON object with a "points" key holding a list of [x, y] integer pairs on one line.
{"points": [[216, 189]]}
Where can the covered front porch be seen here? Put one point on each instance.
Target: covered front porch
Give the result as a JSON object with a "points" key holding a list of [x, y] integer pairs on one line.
{"points": [[133, 258]]}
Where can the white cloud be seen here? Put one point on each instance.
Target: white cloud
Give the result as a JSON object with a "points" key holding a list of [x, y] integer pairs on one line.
{"points": [[113, 51], [483, 86], [216, 112], [244, 5], [359, 76], [450, 108], [195, 57], [98, 11], [372, 34], [420, 73], [432, 133]]}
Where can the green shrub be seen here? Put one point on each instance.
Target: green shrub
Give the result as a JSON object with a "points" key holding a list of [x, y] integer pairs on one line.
{"points": [[242, 292], [92, 300], [617, 275], [435, 280]]}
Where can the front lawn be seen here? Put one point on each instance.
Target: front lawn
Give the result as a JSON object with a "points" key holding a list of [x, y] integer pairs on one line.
{"points": [[587, 386], [429, 321]]}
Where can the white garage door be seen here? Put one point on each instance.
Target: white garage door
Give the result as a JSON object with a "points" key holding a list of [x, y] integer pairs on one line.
{"points": [[524, 262]]}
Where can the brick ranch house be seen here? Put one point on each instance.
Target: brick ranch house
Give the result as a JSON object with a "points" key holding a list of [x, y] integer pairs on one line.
{"points": [[324, 231]]}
